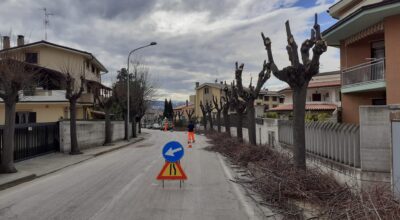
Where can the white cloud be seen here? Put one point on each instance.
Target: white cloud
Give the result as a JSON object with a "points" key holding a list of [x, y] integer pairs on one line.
{"points": [[197, 40]]}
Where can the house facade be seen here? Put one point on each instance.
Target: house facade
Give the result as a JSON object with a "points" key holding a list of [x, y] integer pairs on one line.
{"points": [[367, 34], [205, 93], [267, 100], [323, 95], [42, 104]]}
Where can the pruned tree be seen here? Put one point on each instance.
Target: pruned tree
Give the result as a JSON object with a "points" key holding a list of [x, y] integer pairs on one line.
{"points": [[218, 106], [204, 113], [179, 114], [240, 108], [189, 113], [298, 75], [250, 95], [15, 75], [209, 108], [104, 99], [120, 96], [226, 106], [75, 85]]}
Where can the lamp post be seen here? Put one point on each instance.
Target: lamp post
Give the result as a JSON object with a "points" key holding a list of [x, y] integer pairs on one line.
{"points": [[127, 86]]}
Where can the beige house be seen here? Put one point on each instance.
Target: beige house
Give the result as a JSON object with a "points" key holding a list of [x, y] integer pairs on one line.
{"points": [[323, 95], [205, 93], [50, 104]]}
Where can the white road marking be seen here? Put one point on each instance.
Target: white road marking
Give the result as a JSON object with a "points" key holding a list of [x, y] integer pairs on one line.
{"points": [[241, 197]]}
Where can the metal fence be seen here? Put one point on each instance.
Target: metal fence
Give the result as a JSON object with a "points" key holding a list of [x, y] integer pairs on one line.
{"points": [[336, 141], [371, 71], [32, 140]]}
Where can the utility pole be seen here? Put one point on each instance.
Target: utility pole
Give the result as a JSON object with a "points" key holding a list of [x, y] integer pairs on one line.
{"points": [[46, 21]]}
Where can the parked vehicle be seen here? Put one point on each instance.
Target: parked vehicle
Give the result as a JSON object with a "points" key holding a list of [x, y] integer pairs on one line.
{"points": [[156, 126]]}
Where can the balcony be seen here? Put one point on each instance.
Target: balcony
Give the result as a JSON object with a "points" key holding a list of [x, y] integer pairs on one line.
{"points": [[86, 98], [364, 77]]}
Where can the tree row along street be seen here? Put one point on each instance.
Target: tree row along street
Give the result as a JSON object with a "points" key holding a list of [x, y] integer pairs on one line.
{"points": [[123, 185]]}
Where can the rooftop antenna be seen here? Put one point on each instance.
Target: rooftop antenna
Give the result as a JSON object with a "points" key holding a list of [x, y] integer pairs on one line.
{"points": [[46, 21]]}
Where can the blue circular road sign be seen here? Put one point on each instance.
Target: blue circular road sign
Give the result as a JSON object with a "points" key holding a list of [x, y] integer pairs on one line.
{"points": [[173, 151]]}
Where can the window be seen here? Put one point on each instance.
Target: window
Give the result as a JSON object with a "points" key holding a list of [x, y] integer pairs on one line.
{"points": [[206, 91], [93, 68], [31, 58], [87, 64], [316, 97], [281, 100], [378, 101], [25, 117], [266, 98], [274, 106], [378, 49], [260, 96], [274, 98]]}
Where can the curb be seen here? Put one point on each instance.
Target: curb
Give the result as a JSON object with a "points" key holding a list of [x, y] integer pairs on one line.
{"points": [[17, 181], [30, 177]]}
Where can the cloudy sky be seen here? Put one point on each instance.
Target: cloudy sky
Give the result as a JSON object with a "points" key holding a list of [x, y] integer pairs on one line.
{"points": [[198, 40]]}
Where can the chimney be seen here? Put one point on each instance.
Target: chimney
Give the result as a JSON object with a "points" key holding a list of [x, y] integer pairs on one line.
{"points": [[20, 41], [6, 42], [197, 85]]}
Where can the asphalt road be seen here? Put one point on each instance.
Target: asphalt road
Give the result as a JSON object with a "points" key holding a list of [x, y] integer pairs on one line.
{"points": [[122, 185]]}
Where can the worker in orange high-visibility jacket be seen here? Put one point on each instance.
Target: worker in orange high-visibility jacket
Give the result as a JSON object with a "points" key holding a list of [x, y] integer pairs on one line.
{"points": [[190, 132], [166, 125]]}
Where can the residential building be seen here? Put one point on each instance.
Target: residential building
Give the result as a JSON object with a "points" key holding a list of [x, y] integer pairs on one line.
{"points": [[183, 110], [367, 34], [323, 95], [205, 93], [45, 103], [267, 100]]}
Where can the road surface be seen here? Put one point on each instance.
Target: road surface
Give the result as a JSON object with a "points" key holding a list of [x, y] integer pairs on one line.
{"points": [[122, 185]]}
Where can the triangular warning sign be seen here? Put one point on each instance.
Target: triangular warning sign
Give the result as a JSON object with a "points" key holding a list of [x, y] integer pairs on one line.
{"points": [[172, 171]]}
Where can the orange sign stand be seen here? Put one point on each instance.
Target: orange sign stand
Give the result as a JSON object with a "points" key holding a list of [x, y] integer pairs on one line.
{"points": [[172, 171]]}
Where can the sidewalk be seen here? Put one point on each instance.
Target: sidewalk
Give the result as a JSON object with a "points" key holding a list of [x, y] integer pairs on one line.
{"points": [[50, 163]]}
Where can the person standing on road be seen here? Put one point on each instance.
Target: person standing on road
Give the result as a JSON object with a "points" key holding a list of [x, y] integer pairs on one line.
{"points": [[190, 132]]}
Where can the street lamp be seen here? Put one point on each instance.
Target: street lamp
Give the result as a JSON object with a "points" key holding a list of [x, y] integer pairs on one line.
{"points": [[127, 94]]}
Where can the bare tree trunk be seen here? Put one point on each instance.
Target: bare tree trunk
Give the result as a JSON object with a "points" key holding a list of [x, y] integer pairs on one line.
{"points": [[205, 122], [74, 138], [211, 121], [227, 123], [126, 127], [299, 106], [108, 127], [239, 127], [252, 123], [134, 135], [7, 153], [140, 126], [219, 121]]}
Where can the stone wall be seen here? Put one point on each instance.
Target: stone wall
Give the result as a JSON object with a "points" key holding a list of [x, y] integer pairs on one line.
{"points": [[89, 133]]}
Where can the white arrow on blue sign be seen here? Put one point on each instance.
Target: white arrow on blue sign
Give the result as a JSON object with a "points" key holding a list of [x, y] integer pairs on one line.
{"points": [[173, 151]]}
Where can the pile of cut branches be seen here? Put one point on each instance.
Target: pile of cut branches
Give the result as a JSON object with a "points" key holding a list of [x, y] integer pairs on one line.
{"points": [[298, 194]]}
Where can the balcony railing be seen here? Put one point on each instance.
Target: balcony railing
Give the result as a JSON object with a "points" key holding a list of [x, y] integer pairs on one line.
{"points": [[366, 72]]}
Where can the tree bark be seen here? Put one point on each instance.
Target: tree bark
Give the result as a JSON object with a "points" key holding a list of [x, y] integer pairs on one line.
{"points": [[72, 127], [134, 135], [239, 127], [227, 123], [140, 126], [252, 123], [7, 153], [299, 105], [126, 126], [211, 121], [219, 121], [108, 127]]}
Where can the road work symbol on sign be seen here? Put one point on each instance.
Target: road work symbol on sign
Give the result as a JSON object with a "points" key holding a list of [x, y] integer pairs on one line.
{"points": [[173, 151], [172, 171]]}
